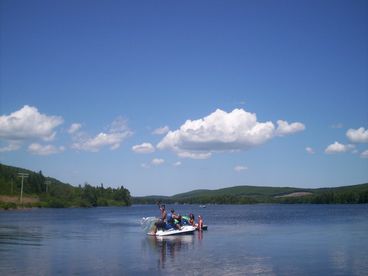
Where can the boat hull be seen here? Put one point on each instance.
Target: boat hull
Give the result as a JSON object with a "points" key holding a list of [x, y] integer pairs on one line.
{"points": [[185, 230]]}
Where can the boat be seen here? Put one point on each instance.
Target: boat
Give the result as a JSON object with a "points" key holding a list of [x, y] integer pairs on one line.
{"points": [[184, 230], [202, 206]]}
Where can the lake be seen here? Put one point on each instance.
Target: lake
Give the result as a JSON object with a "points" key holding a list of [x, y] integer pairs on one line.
{"points": [[241, 240]]}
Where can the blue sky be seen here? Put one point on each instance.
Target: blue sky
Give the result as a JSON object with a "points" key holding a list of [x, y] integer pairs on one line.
{"points": [[269, 93]]}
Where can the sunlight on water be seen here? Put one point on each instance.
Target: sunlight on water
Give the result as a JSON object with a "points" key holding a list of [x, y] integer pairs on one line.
{"points": [[241, 240]]}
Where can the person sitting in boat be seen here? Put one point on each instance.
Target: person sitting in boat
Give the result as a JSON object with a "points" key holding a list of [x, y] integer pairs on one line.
{"points": [[191, 219], [170, 221], [161, 224], [174, 219], [185, 220]]}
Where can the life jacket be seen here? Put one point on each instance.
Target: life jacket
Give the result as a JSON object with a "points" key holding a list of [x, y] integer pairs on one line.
{"points": [[185, 219], [169, 218]]}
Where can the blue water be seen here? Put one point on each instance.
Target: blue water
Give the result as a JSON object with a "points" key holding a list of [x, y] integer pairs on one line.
{"points": [[241, 240]]}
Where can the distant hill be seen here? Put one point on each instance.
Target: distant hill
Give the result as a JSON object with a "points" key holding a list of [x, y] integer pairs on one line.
{"points": [[42, 191], [257, 194], [249, 191]]}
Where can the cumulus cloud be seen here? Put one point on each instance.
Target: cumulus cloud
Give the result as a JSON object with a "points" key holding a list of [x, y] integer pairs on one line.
{"points": [[12, 146], [28, 123], [338, 148], [194, 155], [157, 161], [101, 140], [359, 135], [309, 150], [177, 164], [161, 130], [117, 132], [240, 168], [222, 131], [284, 128], [119, 125], [143, 148], [38, 149], [364, 154], [74, 128]]}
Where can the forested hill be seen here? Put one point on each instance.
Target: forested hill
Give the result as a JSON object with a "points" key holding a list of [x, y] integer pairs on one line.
{"points": [[42, 191], [255, 194]]}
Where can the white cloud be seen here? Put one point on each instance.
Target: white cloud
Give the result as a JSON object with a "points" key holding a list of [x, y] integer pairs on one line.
{"points": [[28, 123], [118, 131], [194, 155], [240, 168], [284, 128], [359, 135], [338, 148], [177, 164], [74, 128], [310, 150], [161, 130], [119, 125], [157, 161], [44, 149], [12, 146], [364, 154], [143, 148], [144, 165], [222, 131], [94, 144]]}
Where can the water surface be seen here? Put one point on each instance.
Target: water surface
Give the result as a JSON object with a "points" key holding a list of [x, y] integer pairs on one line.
{"points": [[241, 240]]}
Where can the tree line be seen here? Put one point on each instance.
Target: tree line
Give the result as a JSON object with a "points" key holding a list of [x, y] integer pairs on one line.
{"points": [[56, 194], [345, 196], [85, 196]]}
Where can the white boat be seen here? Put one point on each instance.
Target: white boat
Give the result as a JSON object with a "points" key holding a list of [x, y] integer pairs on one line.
{"points": [[186, 229]]}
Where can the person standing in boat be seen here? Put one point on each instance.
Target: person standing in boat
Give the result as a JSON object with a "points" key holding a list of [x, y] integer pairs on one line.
{"points": [[161, 224], [200, 223]]}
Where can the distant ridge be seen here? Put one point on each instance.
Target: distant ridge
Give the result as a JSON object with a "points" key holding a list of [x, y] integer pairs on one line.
{"points": [[261, 194]]}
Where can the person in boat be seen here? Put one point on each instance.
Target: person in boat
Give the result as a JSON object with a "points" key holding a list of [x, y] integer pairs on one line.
{"points": [[200, 223], [174, 219], [191, 219], [185, 220], [161, 224]]}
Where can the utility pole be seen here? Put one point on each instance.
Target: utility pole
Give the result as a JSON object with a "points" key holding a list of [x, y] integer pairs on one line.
{"points": [[11, 183], [22, 175], [47, 183]]}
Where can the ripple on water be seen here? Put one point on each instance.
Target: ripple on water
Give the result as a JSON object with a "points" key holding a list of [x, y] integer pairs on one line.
{"points": [[17, 235]]}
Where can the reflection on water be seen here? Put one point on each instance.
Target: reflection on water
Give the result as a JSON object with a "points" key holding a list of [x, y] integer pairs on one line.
{"points": [[167, 248], [242, 240], [16, 235]]}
